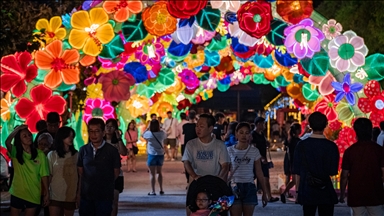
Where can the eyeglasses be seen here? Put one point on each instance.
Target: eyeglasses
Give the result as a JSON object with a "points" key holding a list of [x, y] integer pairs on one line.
{"points": [[202, 200]]}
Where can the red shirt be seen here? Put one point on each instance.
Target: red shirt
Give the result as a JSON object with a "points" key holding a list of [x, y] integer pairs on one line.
{"points": [[364, 161]]}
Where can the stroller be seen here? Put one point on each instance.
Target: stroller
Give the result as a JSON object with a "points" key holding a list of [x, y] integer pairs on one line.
{"points": [[215, 185]]}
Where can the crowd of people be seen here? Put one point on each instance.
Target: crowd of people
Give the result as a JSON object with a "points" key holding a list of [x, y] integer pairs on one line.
{"points": [[52, 174]]}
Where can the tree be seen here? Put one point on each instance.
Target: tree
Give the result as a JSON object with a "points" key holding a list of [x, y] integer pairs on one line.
{"points": [[18, 19], [366, 18]]}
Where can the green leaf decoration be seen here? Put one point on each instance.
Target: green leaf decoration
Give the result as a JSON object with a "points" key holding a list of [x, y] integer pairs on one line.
{"points": [[317, 65], [275, 84], [309, 93], [113, 48], [217, 45], [276, 35], [258, 78], [374, 67], [344, 112], [223, 87], [166, 77], [145, 90], [209, 18], [134, 30], [246, 79], [281, 81], [170, 99], [159, 87]]}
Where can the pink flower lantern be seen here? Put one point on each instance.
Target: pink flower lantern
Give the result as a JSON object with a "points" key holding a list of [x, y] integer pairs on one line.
{"points": [[98, 108], [150, 53], [332, 29]]}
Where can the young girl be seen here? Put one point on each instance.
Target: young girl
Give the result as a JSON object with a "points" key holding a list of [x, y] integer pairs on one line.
{"points": [[203, 201], [131, 138], [245, 160], [64, 177], [30, 171]]}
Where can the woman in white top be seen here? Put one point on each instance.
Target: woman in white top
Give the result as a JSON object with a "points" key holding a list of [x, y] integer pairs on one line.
{"points": [[64, 176], [245, 161], [155, 150]]}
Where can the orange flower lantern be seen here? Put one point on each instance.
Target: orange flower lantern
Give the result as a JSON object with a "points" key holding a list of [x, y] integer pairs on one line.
{"points": [[157, 19], [163, 108], [294, 11]]}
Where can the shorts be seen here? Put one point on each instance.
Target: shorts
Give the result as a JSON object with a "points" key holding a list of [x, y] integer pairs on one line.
{"points": [[155, 160], [170, 142], [247, 194], [119, 184], [265, 168], [64, 205], [19, 203]]}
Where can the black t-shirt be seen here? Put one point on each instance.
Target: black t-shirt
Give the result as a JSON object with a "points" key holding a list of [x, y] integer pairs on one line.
{"points": [[98, 179], [218, 130], [260, 142], [292, 146], [189, 131]]}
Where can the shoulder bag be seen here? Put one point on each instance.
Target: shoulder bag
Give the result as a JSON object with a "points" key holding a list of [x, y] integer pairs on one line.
{"points": [[157, 140], [135, 149], [169, 129]]}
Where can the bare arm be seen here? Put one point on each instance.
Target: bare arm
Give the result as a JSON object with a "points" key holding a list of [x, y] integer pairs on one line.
{"points": [[343, 184], [46, 190], [121, 147], [224, 171], [260, 177], [297, 182], [191, 172]]}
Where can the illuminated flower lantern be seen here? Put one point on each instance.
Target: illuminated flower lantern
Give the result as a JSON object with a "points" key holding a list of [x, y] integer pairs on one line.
{"points": [[202, 36], [150, 53], [42, 102], [303, 39], [90, 31], [62, 64], [122, 9], [327, 106], [111, 64], [98, 108], [195, 60], [347, 52], [6, 104], [190, 79], [324, 83], [224, 6], [163, 108], [226, 65], [51, 30], [255, 18], [116, 85], [137, 70], [157, 19], [138, 105], [346, 138], [346, 89], [88, 4], [332, 29], [373, 103], [294, 11], [244, 38], [16, 71], [185, 8]]}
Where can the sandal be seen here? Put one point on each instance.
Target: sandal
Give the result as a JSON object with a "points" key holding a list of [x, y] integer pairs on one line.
{"points": [[151, 194], [161, 192]]}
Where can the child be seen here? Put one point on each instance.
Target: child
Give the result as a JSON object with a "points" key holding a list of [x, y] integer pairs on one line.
{"points": [[203, 201]]}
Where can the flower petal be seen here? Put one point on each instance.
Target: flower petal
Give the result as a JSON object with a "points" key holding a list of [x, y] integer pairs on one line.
{"points": [[43, 60], [358, 59], [31, 73], [60, 33], [333, 53], [55, 48], [19, 89], [122, 15], [342, 39], [109, 6], [32, 120], [55, 23], [364, 105], [40, 94], [77, 38], [42, 24], [357, 42], [70, 56], [350, 98], [355, 87], [342, 65], [80, 20], [55, 104], [347, 78], [338, 86], [339, 96], [8, 80], [299, 52], [363, 50], [91, 48], [98, 16], [24, 107], [105, 33], [53, 79], [135, 6], [70, 76]]}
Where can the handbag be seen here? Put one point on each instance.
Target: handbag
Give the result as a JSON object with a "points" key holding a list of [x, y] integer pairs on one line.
{"points": [[312, 180], [232, 184], [135, 149], [270, 162]]}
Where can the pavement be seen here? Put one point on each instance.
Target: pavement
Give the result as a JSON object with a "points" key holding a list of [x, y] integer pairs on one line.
{"points": [[134, 200]]}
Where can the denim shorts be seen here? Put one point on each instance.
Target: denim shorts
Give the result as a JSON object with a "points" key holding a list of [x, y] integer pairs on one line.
{"points": [[247, 194], [155, 160]]}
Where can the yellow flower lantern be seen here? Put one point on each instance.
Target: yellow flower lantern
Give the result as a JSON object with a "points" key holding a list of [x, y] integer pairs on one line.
{"points": [[52, 29], [6, 103], [137, 105]]}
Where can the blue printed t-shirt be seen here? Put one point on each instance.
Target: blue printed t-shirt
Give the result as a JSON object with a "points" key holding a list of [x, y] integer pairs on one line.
{"points": [[26, 182], [206, 158]]}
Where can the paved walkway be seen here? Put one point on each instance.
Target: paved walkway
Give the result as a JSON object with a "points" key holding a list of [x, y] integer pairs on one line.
{"points": [[134, 200]]}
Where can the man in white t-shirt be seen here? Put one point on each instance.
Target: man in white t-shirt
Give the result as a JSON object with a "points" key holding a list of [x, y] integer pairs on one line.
{"points": [[206, 155], [170, 127]]}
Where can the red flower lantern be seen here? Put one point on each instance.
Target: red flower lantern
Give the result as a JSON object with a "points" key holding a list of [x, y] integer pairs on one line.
{"points": [[373, 103], [185, 8], [41, 104], [255, 18], [327, 107], [294, 11]]}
